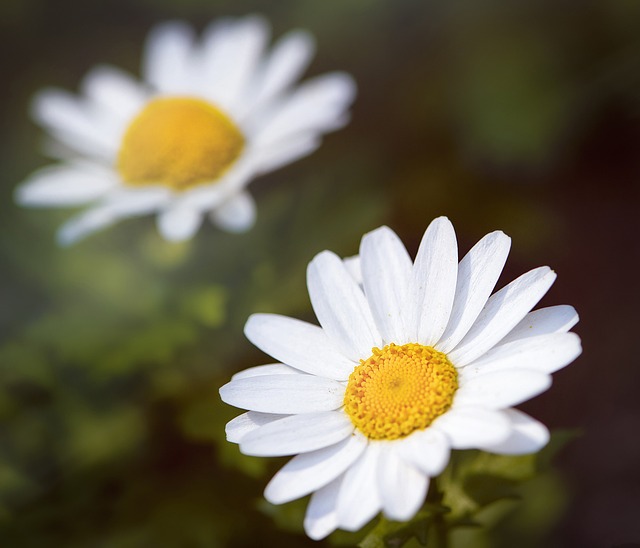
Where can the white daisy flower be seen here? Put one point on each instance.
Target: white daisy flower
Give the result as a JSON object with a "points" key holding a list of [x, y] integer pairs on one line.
{"points": [[208, 117], [416, 360]]}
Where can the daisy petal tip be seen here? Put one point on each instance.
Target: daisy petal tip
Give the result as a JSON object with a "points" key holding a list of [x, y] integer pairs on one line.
{"points": [[504, 238], [73, 231], [273, 495], [381, 232], [319, 262], [22, 195], [40, 102], [316, 530], [442, 221], [223, 390], [306, 42], [346, 82], [64, 239], [527, 435]]}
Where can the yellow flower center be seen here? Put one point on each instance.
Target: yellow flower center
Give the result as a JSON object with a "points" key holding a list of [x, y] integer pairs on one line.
{"points": [[179, 142], [399, 389]]}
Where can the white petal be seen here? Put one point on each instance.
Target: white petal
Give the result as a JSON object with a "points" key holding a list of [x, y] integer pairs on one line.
{"points": [[321, 518], [284, 394], [502, 389], [470, 427], [210, 196], [135, 201], [298, 434], [553, 319], [285, 64], [114, 92], [354, 267], [527, 435], [317, 106], [545, 353], [276, 155], [503, 311], [118, 204], [69, 120], [359, 499], [341, 307], [298, 344], [478, 273], [428, 450], [386, 273], [179, 223], [402, 487], [434, 282], [232, 50], [168, 57], [64, 185], [239, 427], [237, 214], [270, 369], [308, 472], [86, 223]]}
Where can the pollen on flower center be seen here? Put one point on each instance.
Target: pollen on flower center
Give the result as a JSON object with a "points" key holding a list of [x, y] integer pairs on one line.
{"points": [[179, 142], [399, 389]]}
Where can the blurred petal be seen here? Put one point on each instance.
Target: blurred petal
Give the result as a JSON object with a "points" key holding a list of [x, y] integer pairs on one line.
{"points": [[276, 155], [168, 57], [232, 52], [65, 185], [286, 63], [317, 105], [237, 214], [179, 223], [115, 92], [86, 223], [69, 120]]}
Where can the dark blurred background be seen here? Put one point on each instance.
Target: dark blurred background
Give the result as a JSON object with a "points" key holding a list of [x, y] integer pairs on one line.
{"points": [[522, 116]]}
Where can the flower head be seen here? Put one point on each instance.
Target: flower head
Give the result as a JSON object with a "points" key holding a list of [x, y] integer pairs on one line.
{"points": [[412, 359], [209, 117]]}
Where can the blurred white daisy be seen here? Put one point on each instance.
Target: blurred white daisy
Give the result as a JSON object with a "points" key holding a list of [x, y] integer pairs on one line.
{"points": [[208, 117], [414, 361]]}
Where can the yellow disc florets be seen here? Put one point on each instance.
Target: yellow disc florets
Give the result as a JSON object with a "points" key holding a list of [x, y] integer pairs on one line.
{"points": [[179, 142], [399, 389]]}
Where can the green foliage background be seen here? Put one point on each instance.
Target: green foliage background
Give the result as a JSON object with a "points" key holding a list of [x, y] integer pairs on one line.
{"points": [[523, 116]]}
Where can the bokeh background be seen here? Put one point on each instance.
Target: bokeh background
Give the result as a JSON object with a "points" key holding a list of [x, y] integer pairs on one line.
{"points": [[522, 116]]}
